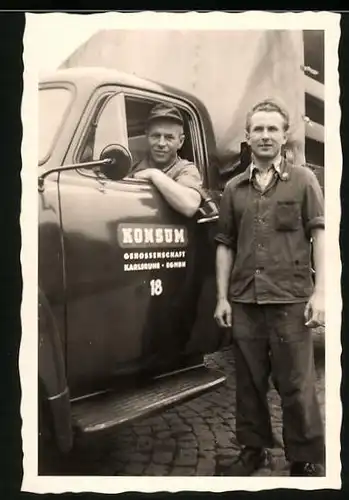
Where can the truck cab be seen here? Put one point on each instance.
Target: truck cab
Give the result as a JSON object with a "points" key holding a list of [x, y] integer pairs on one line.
{"points": [[126, 283]]}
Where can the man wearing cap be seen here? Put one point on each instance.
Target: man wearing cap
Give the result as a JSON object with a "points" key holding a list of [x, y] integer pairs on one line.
{"points": [[266, 293], [178, 180]]}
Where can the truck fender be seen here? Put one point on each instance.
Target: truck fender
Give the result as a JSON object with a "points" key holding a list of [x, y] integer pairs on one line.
{"points": [[54, 392]]}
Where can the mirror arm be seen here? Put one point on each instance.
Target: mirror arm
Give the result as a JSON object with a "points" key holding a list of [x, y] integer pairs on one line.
{"points": [[73, 166]]}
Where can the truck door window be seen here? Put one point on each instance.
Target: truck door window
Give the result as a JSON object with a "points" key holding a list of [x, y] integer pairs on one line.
{"points": [[137, 111], [105, 128]]}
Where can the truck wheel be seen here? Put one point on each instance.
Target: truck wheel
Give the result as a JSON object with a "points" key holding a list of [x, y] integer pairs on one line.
{"points": [[47, 449], [51, 461]]}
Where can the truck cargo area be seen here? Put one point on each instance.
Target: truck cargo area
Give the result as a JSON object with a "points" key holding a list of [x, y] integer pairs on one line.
{"points": [[111, 409]]}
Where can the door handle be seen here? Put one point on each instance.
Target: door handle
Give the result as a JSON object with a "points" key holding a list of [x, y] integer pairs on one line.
{"points": [[209, 211], [208, 219]]}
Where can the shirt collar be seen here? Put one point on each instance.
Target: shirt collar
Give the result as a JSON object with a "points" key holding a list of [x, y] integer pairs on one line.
{"points": [[146, 163], [276, 166], [284, 167], [175, 161]]}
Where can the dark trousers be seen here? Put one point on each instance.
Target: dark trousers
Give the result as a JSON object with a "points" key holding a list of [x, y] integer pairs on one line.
{"points": [[273, 339]]}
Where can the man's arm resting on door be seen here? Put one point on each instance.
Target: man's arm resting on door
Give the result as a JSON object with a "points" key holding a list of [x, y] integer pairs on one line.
{"points": [[184, 199]]}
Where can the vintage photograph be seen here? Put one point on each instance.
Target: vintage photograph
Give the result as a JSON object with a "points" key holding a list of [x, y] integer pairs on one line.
{"points": [[182, 252]]}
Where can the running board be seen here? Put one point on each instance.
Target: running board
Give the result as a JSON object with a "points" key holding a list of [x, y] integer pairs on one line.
{"points": [[115, 408]]}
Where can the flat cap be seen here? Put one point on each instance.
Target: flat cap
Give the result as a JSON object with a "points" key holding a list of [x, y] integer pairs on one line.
{"points": [[165, 111]]}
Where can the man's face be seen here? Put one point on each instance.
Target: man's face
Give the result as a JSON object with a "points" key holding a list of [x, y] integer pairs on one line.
{"points": [[266, 135], [165, 138]]}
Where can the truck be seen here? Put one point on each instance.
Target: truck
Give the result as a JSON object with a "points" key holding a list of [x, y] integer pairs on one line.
{"points": [[126, 283]]}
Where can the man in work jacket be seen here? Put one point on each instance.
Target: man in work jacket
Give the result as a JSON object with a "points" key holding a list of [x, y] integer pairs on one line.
{"points": [[270, 216], [178, 180]]}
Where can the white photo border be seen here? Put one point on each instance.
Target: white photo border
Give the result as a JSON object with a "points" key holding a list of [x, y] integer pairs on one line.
{"points": [[37, 25]]}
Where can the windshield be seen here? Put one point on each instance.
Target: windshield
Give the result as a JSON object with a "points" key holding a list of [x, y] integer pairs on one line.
{"points": [[53, 104]]}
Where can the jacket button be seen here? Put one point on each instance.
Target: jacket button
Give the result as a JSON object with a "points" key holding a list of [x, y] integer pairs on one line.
{"points": [[258, 271]]}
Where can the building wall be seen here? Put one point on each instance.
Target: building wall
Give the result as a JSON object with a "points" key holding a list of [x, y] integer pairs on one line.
{"points": [[314, 69]]}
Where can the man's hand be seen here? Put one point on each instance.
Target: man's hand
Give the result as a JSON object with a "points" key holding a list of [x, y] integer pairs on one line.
{"points": [[314, 312], [147, 174], [222, 313]]}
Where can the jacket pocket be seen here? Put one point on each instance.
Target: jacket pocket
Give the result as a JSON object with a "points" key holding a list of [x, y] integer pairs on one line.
{"points": [[302, 281], [288, 216]]}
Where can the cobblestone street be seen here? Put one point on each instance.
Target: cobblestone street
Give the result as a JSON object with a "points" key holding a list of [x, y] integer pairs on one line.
{"points": [[194, 438]]}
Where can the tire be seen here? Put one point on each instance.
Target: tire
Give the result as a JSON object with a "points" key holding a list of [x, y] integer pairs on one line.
{"points": [[47, 450], [50, 459]]}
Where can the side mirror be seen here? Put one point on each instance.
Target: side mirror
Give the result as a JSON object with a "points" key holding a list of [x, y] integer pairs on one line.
{"points": [[121, 161]]}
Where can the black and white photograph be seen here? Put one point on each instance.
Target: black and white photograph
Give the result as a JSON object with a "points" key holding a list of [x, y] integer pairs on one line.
{"points": [[181, 269]]}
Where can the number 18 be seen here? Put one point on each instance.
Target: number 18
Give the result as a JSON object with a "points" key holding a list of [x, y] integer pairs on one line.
{"points": [[156, 287]]}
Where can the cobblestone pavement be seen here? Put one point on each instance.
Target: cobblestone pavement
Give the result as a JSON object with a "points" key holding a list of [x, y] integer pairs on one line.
{"points": [[190, 439]]}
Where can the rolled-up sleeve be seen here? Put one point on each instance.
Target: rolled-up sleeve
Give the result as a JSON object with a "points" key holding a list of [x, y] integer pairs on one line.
{"points": [[190, 177], [226, 233], [313, 204]]}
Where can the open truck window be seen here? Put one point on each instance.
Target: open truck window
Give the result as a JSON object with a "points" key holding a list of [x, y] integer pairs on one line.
{"points": [[104, 128]]}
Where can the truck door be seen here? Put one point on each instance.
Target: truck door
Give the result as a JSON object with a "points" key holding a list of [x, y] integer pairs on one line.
{"points": [[185, 310], [131, 268]]}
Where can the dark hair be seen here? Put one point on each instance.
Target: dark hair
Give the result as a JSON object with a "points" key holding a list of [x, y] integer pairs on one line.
{"points": [[268, 105]]}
